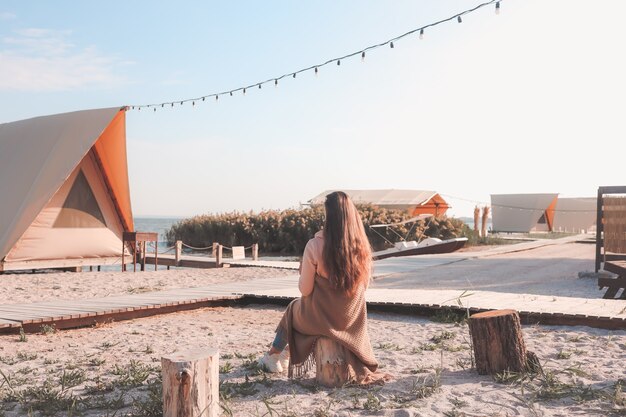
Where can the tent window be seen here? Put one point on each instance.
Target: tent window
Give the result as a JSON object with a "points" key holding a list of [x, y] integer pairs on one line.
{"points": [[542, 219], [80, 208]]}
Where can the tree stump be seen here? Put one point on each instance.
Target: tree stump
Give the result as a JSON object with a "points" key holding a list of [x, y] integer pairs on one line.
{"points": [[331, 367], [191, 383], [498, 342]]}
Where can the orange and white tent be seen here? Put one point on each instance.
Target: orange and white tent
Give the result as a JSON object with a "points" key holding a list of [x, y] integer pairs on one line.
{"points": [[64, 192], [416, 202], [523, 212]]}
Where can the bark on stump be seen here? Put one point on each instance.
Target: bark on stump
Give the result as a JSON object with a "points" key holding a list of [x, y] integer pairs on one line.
{"points": [[191, 383], [331, 368], [498, 342]]}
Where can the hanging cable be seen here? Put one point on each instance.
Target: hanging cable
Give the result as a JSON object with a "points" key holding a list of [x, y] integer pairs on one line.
{"points": [[336, 60]]}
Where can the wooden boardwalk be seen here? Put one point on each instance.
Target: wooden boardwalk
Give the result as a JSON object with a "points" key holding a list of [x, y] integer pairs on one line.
{"points": [[205, 262], [602, 313]]}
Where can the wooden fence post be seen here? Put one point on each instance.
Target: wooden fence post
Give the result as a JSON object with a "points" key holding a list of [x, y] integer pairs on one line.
{"points": [[178, 251], [255, 251], [218, 256], [191, 383]]}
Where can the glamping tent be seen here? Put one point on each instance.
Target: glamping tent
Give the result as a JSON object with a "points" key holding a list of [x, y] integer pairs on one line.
{"points": [[64, 193], [575, 214], [415, 202], [523, 212]]}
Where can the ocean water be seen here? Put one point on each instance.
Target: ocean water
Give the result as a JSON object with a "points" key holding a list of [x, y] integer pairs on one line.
{"points": [[156, 224]]}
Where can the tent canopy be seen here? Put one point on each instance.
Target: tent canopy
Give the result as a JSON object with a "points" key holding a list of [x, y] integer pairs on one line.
{"points": [[415, 201], [523, 212], [38, 155]]}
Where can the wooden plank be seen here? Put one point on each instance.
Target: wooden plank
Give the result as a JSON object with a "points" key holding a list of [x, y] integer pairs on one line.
{"points": [[62, 263]]}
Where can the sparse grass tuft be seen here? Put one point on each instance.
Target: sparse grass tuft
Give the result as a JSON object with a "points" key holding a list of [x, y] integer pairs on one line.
{"points": [[563, 354], [47, 329], [447, 315], [226, 368], [22, 337], [372, 403], [133, 375]]}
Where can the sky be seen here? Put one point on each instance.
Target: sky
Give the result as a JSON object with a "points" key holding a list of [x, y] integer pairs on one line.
{"points": [[528, 101]]}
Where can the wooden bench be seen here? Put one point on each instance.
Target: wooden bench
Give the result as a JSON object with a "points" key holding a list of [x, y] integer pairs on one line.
{"points": [[614, 285]]}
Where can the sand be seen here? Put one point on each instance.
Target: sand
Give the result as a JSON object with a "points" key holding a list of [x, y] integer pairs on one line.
{"points": [[30, 288], [406, 347], [110, 369]]}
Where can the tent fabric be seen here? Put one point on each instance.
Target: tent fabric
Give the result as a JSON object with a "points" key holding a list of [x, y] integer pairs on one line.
{"points": [[522, 212], [111, 154], [394, 199], [43, 241], [81, 207], [575, 214], [38, 155]]}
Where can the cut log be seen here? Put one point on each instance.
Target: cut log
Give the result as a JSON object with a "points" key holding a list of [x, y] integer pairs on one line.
{"points": [[191, 383], [498, 342], [330, 363]]}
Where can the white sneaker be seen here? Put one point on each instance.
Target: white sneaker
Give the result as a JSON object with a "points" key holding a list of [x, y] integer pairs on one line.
{"points": [[270, 363], [283, 359]]}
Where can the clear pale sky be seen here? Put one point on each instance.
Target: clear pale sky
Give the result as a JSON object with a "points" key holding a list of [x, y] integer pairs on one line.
{"points": [[531, 100]]}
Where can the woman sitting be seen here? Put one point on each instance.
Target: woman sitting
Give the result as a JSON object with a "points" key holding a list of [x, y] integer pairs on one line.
{"points": [[334, 274]]}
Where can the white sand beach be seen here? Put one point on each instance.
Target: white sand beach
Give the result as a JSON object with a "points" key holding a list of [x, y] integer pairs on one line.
{"points": [[113, 369]]}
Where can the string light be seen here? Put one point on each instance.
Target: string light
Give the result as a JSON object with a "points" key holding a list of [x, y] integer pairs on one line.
{"points": [[217, 97], [337, 60]]}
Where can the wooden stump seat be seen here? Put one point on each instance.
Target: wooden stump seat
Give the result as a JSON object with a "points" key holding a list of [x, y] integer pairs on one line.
{"points": [[498, 342], [191, 383], [331, 369]]}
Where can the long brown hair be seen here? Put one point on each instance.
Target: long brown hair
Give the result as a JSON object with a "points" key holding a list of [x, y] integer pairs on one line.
{"points": [[347, 254]]}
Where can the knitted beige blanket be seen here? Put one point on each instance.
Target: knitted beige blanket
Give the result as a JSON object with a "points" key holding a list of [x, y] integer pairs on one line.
{"points": [[328, 312]]}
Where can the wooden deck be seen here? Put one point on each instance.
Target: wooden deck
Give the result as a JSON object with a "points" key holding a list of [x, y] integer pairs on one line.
{"points": [[610, 314], [205, 262]]}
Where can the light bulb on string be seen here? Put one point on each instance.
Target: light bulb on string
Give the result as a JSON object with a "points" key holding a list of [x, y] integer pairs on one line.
{"points": [[155, 109], [162, 105], [316, 71], [181, 103], [244, 91], [276, 82], [362, 56], [422, 33], [172, 104], [231, 93], [259, 86], [338, 62], [203, 98], [193, 103], [217, 97], [458, 19], [294, 75], [391, 45], [497, 7]]}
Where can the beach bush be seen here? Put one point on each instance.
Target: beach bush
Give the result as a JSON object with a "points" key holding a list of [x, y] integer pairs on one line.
{"points": [[287, 231]]}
